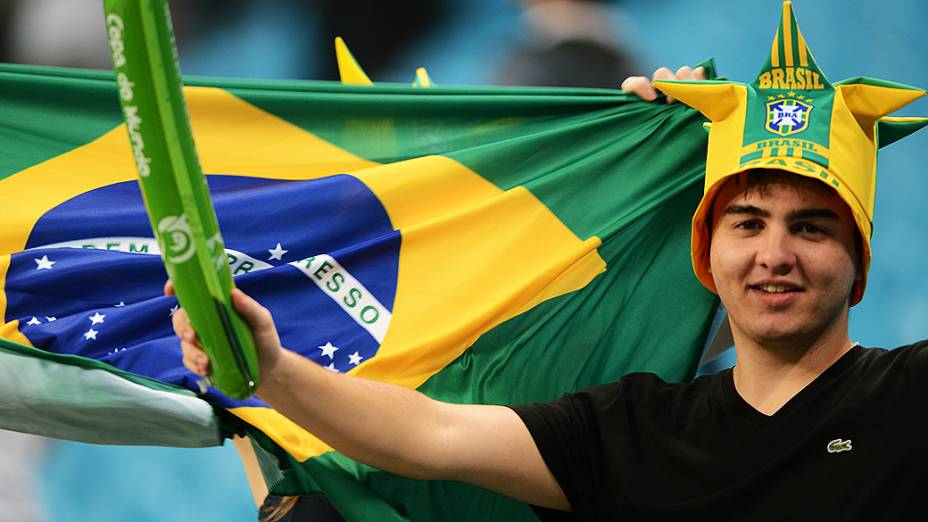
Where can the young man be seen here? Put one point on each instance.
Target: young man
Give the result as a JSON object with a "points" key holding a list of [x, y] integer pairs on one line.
{"points": [[806, 426]]}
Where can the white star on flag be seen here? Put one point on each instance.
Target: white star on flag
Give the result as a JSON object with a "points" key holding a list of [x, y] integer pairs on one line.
{"points": [[277, 253], [50, 319], [34, 321], [173, 309], [355, 358], [121, 303], [331, 367], [91, 334], [44, 264], [328, 350], [96, 318]]}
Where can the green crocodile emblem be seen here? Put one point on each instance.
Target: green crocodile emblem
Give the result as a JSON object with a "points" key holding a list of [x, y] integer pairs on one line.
{"points": [[838, 445]]}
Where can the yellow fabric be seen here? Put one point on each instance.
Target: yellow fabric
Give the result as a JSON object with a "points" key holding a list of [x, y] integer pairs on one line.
{"points": [[449, 235], [9, 330]]}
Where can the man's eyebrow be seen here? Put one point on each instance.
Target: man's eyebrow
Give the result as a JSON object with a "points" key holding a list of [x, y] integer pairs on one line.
{"points": [[805, 213], [750, 210], [810, 213]]}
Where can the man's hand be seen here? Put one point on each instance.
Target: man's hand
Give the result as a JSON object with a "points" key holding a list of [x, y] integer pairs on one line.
{"points": [[642, 87], [259, 319]]}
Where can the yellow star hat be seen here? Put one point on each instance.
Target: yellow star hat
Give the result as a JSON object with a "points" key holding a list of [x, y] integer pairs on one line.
{"points": [[791, 118]]}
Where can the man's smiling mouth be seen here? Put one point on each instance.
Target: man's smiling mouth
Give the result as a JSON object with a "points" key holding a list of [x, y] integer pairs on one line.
{"points": [[775, 288]]}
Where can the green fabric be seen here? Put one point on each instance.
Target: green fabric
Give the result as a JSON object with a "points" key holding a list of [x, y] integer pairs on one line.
{"points": [[80, 399], [38, 116], [607, 165], [517, 137], [889, 132]]}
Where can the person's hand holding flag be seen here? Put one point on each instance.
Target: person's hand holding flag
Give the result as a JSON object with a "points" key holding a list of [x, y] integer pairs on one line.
{"points": [[642, 87]]}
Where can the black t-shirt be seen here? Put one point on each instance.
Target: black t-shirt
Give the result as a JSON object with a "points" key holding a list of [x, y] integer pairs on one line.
{"points": [[852, 445]]}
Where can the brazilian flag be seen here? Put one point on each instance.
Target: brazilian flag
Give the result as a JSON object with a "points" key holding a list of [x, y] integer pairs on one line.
{"points": [[481, 245]]}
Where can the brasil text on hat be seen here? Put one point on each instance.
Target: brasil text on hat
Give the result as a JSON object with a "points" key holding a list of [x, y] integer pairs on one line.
{"points": [[791, 118]]}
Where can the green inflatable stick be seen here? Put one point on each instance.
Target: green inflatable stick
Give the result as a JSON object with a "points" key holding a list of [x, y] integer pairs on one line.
{"points": [[174, 188]]}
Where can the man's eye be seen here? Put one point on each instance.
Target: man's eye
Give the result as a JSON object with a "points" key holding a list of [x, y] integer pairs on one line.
{"points": [[748, 225], [808, 228]]}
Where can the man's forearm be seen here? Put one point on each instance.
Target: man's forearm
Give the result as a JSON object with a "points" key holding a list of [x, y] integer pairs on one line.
{"points": [[380, 424]]}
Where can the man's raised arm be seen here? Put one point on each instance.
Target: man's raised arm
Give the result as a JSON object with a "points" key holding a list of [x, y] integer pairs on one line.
{"points": [[387, 426]]}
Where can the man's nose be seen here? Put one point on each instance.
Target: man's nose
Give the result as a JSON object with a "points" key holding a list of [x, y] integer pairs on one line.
{"points": [[776, 251]]}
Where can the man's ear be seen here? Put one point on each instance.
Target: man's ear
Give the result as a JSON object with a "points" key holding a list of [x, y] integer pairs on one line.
{"points": [[859, 261]]}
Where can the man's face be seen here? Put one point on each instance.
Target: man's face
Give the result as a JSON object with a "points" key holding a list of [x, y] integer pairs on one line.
{"points": [[782, 256]]}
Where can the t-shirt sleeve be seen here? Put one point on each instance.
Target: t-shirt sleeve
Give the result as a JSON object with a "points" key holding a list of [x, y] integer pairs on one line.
{"points": [[569, 435], [916, 365]]}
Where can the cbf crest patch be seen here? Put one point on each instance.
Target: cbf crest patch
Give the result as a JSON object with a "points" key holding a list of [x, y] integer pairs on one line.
{"points": [[789, 116]]}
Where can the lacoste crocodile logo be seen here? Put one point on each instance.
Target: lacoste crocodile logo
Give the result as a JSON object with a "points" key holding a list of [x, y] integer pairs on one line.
{"points": [[838, 445]]}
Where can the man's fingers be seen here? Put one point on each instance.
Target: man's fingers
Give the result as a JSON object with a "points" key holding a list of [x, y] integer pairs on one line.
{"points": [[180, 322], [195, 359], [642, 87], [257, 316], [639, 86], [168, 287], [664, 74], [261, 323], [688, 73], [186, 334]]}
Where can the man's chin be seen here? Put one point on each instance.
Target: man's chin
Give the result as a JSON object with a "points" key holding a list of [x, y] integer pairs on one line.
{"points": [[779, 333], [778, 337]]}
